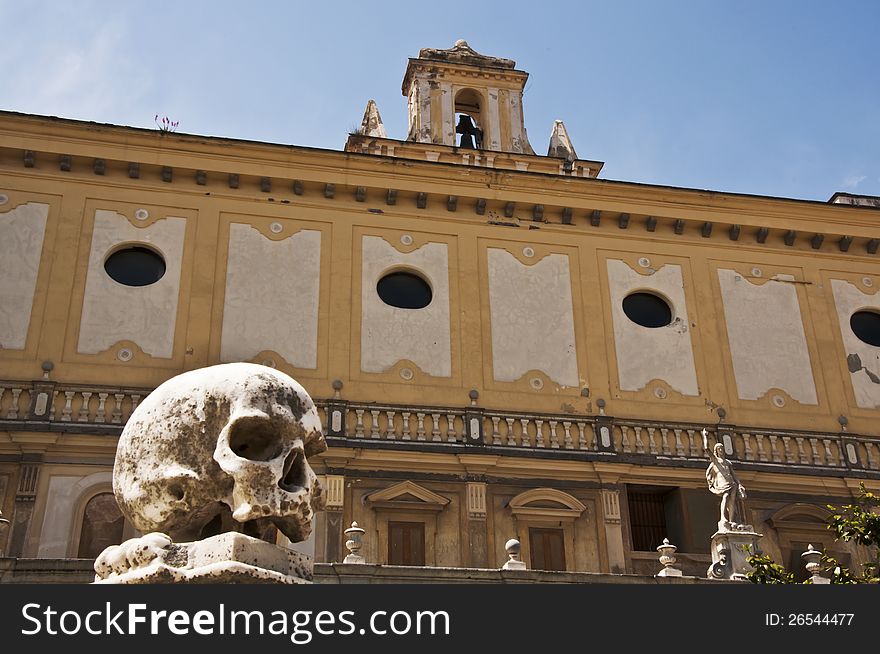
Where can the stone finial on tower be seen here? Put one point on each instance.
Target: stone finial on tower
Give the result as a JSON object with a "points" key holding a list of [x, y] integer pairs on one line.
{"points": [[560, 144], [372, 124]]}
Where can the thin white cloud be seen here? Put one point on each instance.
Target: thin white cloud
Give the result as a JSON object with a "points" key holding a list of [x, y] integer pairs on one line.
{"points": [[94, 78], [853, 180]]}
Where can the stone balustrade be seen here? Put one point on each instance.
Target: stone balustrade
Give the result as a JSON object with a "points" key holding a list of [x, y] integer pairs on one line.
{"points": [[105, 409]]}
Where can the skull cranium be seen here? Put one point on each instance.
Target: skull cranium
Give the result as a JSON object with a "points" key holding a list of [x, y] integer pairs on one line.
{"points": [[223, 448]]}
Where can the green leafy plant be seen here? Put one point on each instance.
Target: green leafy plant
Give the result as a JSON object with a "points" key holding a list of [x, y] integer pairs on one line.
{"points": [[857, 523]]}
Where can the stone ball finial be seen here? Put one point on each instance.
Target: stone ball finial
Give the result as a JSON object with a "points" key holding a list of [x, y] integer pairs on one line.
{"points": [[461, 43], [513, 562]]}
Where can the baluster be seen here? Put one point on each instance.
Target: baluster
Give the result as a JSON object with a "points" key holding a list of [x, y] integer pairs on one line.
{"points": [[52, 406], [640, 446], [554, 439], [840, 454], [102, 402], [326, 421], [785, 452], [624, 438], [652, 446], [67, 411], [679, 446], [2, 392], [692, 447], [135, 400], [802, 454], [526, 440], [389, 425], [567, 440], [420, 426], [747, 445], [774, 452], [829, 460], [116, 416], [496, 437], [435, 429], [663, 432], [582, 439], [84, 408], [13, 408], [762, 455], [359, 427], [539, 433], [450, 428], [511, 441], [374, 423], [406, 435], [815, 451]]}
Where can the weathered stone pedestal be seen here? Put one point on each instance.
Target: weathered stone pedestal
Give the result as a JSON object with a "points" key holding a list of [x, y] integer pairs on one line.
{"points": [[229, 558], [730, 551]]}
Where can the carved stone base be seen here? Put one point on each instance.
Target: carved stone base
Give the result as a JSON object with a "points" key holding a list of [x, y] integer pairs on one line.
{"points": [[730, 552], [222, 559]]}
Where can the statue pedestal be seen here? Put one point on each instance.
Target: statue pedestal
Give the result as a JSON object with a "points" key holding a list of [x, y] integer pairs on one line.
{"points": [[229, 558], [730, 551]]}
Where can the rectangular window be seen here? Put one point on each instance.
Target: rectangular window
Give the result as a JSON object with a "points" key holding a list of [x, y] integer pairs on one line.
{"points": [[406, 543], [548, 548], [647, 519]]}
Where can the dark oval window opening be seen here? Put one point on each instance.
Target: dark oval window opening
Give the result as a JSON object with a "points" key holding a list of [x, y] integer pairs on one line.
{"points": [[647, 310], [866, 326], [135, 266], [404, 291]]}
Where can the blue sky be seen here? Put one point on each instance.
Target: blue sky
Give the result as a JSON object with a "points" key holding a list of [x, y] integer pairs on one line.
{"points": [[772, 98]]}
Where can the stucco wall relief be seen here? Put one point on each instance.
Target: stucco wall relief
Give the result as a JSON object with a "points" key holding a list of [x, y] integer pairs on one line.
{"points": [[22, 230], [645, 354], [532, 318], [272, 295], [146, 315], [391, 334], [768, 347], [862, 359]]}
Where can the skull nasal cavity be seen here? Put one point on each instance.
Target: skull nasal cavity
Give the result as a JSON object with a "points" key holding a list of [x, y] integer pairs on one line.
{"points": [[294, 477], [253, 438]]}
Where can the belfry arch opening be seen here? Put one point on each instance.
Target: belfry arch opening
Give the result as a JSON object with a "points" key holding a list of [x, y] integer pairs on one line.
{"points": [[469, 126]]}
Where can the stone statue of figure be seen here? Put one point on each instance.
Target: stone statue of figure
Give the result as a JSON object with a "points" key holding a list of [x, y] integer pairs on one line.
{"points": [[722, 481], [471, 135]]}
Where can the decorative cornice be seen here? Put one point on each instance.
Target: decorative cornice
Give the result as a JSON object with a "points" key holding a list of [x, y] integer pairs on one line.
{"points": [[53, 149]]}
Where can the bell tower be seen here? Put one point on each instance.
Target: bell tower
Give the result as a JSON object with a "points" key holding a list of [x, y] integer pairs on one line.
{"points": [[465, 108], [459, 97]]}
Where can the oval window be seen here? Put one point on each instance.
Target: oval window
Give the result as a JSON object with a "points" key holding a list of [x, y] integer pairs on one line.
{"points": [[647, 310], [135, 266], [866, 326], [404, 290]]}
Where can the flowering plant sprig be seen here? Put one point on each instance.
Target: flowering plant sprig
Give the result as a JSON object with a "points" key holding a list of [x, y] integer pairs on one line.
{"points": [[166, 124]]}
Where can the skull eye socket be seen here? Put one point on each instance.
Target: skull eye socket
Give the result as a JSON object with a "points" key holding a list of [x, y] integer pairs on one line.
{"points": [[254, 438]]}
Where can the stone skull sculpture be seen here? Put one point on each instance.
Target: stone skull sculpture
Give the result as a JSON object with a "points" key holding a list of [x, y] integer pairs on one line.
{"points": [[223, 448]]}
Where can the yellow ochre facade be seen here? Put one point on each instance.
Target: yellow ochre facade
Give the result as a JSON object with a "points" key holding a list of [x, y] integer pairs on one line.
{"points": [[522, 401]]}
